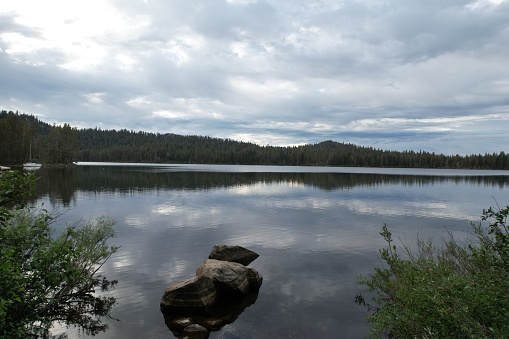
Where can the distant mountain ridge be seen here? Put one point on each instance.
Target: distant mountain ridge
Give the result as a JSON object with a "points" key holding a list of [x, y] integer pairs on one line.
{"points": [[65, 144]]}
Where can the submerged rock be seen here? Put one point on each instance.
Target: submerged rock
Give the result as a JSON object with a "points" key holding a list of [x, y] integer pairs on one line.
{"points": [[195, 331]]}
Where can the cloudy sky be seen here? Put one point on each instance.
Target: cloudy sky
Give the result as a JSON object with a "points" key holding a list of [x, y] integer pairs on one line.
{"points": [[392, 74]]}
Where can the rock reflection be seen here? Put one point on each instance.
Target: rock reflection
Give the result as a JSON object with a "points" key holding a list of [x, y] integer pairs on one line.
{"points": [[198, 326]]}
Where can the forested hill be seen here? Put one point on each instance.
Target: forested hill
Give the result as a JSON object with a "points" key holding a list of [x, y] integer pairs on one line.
{"points": [[65, 144]]}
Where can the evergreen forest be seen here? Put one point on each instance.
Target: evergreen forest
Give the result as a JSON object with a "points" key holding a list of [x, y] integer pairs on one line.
{"points": [[22, 134]]}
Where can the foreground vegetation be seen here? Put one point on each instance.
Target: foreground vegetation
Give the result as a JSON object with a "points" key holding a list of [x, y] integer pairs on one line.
{"points": [[447, 291], [46, 278], [64, 144]]}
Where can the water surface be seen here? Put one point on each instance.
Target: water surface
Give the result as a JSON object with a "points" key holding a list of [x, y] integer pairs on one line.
{"points": [[315, 229]]}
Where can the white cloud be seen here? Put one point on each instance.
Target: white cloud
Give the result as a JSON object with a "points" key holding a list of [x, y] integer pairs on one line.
{"points": [[266, 72], [273, 90], [80, 31], [241, 2], [139, 101], [95, 98], [483, 4], [272, 139], [433, 124]]}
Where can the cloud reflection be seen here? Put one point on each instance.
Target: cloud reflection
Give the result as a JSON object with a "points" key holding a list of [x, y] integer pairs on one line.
{"points": [[313, 234]]}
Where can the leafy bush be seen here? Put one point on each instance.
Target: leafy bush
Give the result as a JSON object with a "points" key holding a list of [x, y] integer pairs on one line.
{"points": [[452, 291], [46, 278], [14, 189]]}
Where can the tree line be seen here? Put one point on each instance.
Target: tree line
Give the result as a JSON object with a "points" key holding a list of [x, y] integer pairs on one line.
{"points": [[22, 134], [54, 144]]}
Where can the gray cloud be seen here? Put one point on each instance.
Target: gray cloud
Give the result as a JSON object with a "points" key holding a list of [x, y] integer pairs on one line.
{"points": [[400, 74]]}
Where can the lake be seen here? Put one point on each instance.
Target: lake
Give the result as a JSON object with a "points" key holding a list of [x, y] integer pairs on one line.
{"points": [[315, 229]]}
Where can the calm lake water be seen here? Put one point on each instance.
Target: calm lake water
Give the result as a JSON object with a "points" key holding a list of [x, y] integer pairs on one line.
{"points": [[315, 229]]}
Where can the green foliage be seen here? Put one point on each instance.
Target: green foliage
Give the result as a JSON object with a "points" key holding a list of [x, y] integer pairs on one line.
{"points": [[15, 187], [452, 291], [46, 278]]}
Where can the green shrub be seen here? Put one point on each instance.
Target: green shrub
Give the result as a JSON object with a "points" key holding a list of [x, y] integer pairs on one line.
{"points": [[15, 187], [452, 291], [46, 278]]}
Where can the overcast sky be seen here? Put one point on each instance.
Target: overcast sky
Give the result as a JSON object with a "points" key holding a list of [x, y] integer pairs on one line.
{"points": [[427, 75]]}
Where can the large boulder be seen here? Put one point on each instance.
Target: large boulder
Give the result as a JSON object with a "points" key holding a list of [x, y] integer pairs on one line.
{"points": [[230, 277], [236, 254], [193, 295]]}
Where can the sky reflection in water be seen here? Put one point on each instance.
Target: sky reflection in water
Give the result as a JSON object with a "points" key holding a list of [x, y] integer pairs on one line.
{"points": [[314, 232]]}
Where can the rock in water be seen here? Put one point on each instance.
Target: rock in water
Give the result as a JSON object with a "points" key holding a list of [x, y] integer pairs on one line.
{"points": [[230, 277], [236, 254], [195, 331], [193, 295], [223, 287]]}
